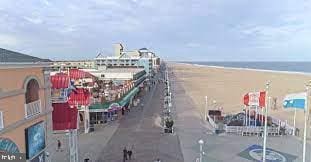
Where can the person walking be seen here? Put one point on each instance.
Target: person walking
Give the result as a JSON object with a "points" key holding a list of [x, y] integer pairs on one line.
{"points": [[130, 152], [124, 154]]}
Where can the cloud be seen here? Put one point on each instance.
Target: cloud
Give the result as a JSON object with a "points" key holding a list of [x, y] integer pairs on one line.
{"points": [[232, 29], [46, 2], [34, 20]]}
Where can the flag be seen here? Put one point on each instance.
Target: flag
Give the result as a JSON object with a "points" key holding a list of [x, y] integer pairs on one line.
{"points": [[255, 99], [64, 117], [295, 100]]}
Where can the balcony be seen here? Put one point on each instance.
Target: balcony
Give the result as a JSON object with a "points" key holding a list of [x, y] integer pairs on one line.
{"points": [[32, 109]]}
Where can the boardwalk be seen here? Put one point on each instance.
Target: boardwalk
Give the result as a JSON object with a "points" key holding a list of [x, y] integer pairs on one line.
{"points": [[139, 129]]}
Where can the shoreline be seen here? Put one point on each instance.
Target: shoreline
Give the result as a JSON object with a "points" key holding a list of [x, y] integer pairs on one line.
{"points": [[247, 69], [227, 86]]}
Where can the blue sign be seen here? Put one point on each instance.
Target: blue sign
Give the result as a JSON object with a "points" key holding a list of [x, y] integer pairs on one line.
{"points": [[39, 158], [255, 152], [8, 146], [35, 139]]}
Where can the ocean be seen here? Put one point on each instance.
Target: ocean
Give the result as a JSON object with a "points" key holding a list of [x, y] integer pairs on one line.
{"points": [[301, 67]]}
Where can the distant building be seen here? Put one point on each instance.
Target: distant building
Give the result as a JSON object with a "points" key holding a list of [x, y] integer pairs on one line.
{"points": [[130, 59], [136, 75], [25, 107], [65, 65], [118, 49]]}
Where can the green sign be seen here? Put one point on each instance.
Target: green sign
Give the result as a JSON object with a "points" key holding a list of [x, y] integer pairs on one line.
{"points": [[8, 146]]}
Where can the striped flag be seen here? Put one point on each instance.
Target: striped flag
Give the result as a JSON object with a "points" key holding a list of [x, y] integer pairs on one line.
{"points": [[295, 100], [255, 99]]}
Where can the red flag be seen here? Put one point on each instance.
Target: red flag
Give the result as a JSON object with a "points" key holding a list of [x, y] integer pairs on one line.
{"points": [[64, 117], [255, 99]]}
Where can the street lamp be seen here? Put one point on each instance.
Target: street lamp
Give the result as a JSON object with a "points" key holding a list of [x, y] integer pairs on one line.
{"points": [[201, 142], [205, 112]]}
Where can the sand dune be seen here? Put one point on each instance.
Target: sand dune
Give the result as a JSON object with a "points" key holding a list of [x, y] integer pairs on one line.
{"points": [[227, 87]]}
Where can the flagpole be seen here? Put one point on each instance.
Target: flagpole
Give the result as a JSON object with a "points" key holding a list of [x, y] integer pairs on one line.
{"points": [[249, 116], [294, 132], [256, 116], [305, 127], [261, 116], [266, 122], [245, 117]]}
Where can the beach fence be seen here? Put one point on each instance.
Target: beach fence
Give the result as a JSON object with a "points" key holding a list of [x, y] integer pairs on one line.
{"points": [[251, 130], [282, 128]]}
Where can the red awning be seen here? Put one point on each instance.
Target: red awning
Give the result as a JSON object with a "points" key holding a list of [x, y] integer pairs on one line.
{"points": [[60, 81], [80, 97], [79, 74], [64, 117]]}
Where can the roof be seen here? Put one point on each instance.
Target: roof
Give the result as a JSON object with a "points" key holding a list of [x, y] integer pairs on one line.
{"points": [[143, 48], [79, 74], [11, 56], [60, 81]]}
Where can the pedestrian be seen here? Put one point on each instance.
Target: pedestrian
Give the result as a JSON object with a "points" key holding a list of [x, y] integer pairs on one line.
{"points": [[124, 154], [129, 152], [158, 160], [59, 145]]}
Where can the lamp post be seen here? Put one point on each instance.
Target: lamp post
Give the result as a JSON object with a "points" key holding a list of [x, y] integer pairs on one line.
{"points": [[201, 142], [205, 110]]}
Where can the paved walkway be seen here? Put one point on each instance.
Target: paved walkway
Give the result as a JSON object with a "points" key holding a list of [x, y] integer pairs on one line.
{"points": [[90, 144], [189, 124], [139, 129]]}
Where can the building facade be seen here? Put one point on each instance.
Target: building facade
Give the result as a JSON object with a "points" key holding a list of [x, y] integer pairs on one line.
{"points": [[25, 109], [65, 65], [130, 59]]}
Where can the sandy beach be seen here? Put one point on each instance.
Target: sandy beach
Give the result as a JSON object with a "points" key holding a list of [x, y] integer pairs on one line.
{"points": [[227, 87]]}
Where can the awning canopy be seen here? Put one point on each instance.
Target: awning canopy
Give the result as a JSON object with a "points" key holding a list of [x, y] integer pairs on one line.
{"points": [[64, 117], [80, 96], [60, 81], [79, 74], [107, 106], [126, 99]]}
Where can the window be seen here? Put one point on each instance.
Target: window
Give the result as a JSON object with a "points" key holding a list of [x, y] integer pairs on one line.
{"points": [[32, 91], [1, 120]]}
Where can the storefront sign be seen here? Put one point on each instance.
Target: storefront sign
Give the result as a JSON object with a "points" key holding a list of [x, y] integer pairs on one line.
{"points": [[8, 146], [114, 106], [35, 139]]}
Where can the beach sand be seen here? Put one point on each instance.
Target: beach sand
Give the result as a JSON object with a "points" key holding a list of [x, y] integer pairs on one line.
{"points": [[228, 86]]}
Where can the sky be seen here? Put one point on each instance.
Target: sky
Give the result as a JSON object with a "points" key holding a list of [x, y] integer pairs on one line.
{"points": [[176, 30]]}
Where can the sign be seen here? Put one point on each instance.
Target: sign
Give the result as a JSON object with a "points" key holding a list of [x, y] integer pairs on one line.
{"points": [[39, 158], [8, 146], [254, 153], [35, 139], [114, 106]]}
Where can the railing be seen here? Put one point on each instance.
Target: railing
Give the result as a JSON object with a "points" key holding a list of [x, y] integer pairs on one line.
{"points": [[32, 109], [212, 122], [250, 129]]}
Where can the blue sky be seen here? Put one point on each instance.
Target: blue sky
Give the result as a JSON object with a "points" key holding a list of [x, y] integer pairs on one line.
{"points": [[210, 30]]}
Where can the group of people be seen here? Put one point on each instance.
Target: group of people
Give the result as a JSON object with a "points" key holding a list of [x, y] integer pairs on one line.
{"points": [[127, 154]]}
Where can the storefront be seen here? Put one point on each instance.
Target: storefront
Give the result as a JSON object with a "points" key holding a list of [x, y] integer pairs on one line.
{"points": [[106, 112]]}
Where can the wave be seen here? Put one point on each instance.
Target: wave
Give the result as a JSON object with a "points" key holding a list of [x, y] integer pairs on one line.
{"points": [[249, 69]]}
